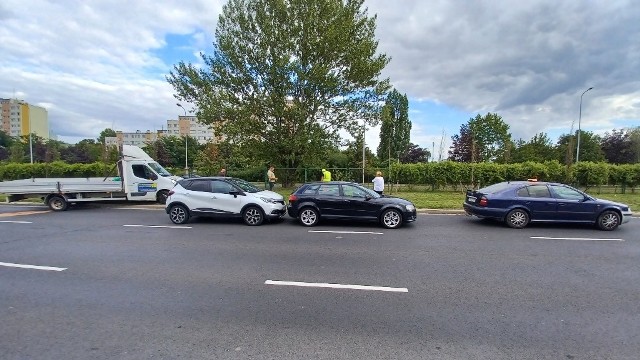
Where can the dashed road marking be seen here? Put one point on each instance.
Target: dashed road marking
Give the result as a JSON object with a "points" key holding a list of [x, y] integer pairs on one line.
{"points": [[16, 222], [576, 239], [159, 226], [336, 286], [35, 267]]}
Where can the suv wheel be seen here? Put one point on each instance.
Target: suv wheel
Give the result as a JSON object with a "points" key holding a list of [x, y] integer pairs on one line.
{"points": [[179, 214], [252, 216]]}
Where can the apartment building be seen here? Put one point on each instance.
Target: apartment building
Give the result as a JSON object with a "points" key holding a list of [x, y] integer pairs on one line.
{"points": [[19, 118], [138, 138], [184, 125]]}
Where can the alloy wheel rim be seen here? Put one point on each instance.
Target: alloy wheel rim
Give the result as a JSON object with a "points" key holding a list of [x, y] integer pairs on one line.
{"points": [[391, 219], [609, 221], [177, 215], [308, 217], [518, 218], [252, 216]]}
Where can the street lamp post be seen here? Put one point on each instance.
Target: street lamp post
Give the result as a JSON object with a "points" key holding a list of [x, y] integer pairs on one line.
{"points": [[579, 130], [364, 131], [186, 147]]}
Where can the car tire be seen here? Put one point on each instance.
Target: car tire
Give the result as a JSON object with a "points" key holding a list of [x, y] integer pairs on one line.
{"points": [[161, 196], [391, 219], [253, 216], [517, 219], [608, 220], [179, 214], [309, 216], [57, 203]]}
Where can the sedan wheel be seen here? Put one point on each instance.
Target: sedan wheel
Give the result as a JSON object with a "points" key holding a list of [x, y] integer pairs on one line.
{"points": [[252, 216], [309, 217], [517, 219], [391, 219], [608, 220], [179, 214]]}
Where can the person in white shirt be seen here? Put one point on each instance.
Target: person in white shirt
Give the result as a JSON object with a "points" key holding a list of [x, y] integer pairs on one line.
{"points": [[378, 183]]}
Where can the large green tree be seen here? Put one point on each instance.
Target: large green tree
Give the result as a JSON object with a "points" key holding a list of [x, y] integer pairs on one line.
{"points": [[395, 130], [482, 138], [590, 149], [539, 148], [286, 76]]}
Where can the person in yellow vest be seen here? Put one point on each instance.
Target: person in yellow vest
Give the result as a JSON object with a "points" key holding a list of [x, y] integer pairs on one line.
{"points": [[326, 175]]}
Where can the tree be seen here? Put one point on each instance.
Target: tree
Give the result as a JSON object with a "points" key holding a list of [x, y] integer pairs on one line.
{"points": [[589, 146], [483, 138], [538, 149], [286, 76], [106, 133], [617, 147], [415, 154], [395, 131], [634, 138]]}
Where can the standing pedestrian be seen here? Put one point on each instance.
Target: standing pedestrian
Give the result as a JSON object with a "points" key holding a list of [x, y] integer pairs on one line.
{"points": [[326, 175], [223, 172], [378, 183], [272, 178]]}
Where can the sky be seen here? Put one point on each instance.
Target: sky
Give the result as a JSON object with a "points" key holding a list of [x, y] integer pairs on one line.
{"points": [[102, 64]]}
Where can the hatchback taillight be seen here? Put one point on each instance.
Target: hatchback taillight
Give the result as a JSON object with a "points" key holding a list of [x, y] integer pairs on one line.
{"points": [[171, 192], [292, 197], [483, 201]]}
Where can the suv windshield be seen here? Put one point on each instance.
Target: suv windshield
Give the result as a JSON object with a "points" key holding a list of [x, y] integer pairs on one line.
{"points": [[159, 169], [244, 185]]}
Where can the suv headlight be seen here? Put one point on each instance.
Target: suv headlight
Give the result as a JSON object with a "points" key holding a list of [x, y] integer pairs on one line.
{"points": [[410, 207], [270, 201]]}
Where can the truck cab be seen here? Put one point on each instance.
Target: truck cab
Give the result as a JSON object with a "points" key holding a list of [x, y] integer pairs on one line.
{"points": [[143, 178]]}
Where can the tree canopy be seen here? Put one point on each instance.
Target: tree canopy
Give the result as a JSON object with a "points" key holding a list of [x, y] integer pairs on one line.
{"points": [[482, 138], [395, 130], [286, 76]]}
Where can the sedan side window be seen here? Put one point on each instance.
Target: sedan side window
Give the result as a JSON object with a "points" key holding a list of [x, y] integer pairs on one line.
{"points": [[563, 192], [539, 191]]}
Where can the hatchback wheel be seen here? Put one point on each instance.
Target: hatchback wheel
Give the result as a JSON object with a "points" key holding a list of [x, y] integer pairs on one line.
{"points": [[179, 214], [252, 216], [517, 218], [309, 216], [608, 220], [391, 219]]}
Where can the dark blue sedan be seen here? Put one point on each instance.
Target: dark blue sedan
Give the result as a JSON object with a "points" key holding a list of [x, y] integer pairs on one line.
{"points": [[346, 200], [519, 202]]}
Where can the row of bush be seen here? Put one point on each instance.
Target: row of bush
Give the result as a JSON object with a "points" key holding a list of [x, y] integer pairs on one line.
{"points": [[437, 175]]}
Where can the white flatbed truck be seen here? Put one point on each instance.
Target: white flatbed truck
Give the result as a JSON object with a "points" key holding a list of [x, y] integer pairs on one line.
{"points": [[140, 179]]}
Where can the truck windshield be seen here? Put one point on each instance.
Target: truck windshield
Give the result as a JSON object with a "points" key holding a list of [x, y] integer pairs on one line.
{"points": [[159, 169]]}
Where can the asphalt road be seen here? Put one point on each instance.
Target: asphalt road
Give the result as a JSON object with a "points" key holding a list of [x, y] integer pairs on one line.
{"points": [[123, 282]]}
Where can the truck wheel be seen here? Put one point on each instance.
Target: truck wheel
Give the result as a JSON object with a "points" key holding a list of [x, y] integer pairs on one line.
{"points": [[57, 203], [161, 196], [179, 214]]}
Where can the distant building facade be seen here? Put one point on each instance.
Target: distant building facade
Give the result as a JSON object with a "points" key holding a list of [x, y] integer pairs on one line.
{"points": [[18, 118], [185, 125]]}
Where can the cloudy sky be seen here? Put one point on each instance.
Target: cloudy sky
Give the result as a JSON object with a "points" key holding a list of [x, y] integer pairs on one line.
{"points": [[101, 64]]}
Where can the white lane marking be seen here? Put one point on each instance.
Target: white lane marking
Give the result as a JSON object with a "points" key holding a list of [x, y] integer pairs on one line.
{"points": [[580, 239], [335, 286], [16, 222], [35, 267], [138, 208], [346, 232], [159, 226]]}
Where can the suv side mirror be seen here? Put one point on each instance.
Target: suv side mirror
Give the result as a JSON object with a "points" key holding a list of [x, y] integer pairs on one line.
{"points": [[235, 193]]}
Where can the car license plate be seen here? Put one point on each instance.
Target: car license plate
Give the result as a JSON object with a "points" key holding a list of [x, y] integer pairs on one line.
{"points": [[471, 199]]}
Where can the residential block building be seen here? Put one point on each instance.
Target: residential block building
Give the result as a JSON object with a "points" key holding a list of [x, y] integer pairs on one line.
{"points": [[185, 125], [19, 118]]}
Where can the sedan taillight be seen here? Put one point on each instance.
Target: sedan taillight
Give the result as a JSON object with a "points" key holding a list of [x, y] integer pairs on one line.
{"points": [[483, 201], [292, 197]]}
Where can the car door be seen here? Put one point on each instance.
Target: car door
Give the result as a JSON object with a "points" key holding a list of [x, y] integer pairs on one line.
{"points": [[329, 200], [572, 205], [143, 183], [537, 198], [224, 202], [198, 196], [356, 202]]}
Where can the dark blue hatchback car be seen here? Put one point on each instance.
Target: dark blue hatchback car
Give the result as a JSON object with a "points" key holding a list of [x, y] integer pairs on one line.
{"points": [[519, 202]]}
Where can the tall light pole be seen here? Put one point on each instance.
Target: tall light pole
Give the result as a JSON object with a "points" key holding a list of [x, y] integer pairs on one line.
{"points": [[579, 120], [364, 131], [186, 148]]}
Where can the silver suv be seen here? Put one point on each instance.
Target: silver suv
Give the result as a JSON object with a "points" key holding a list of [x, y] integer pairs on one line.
{"points": [[223, 197]]}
